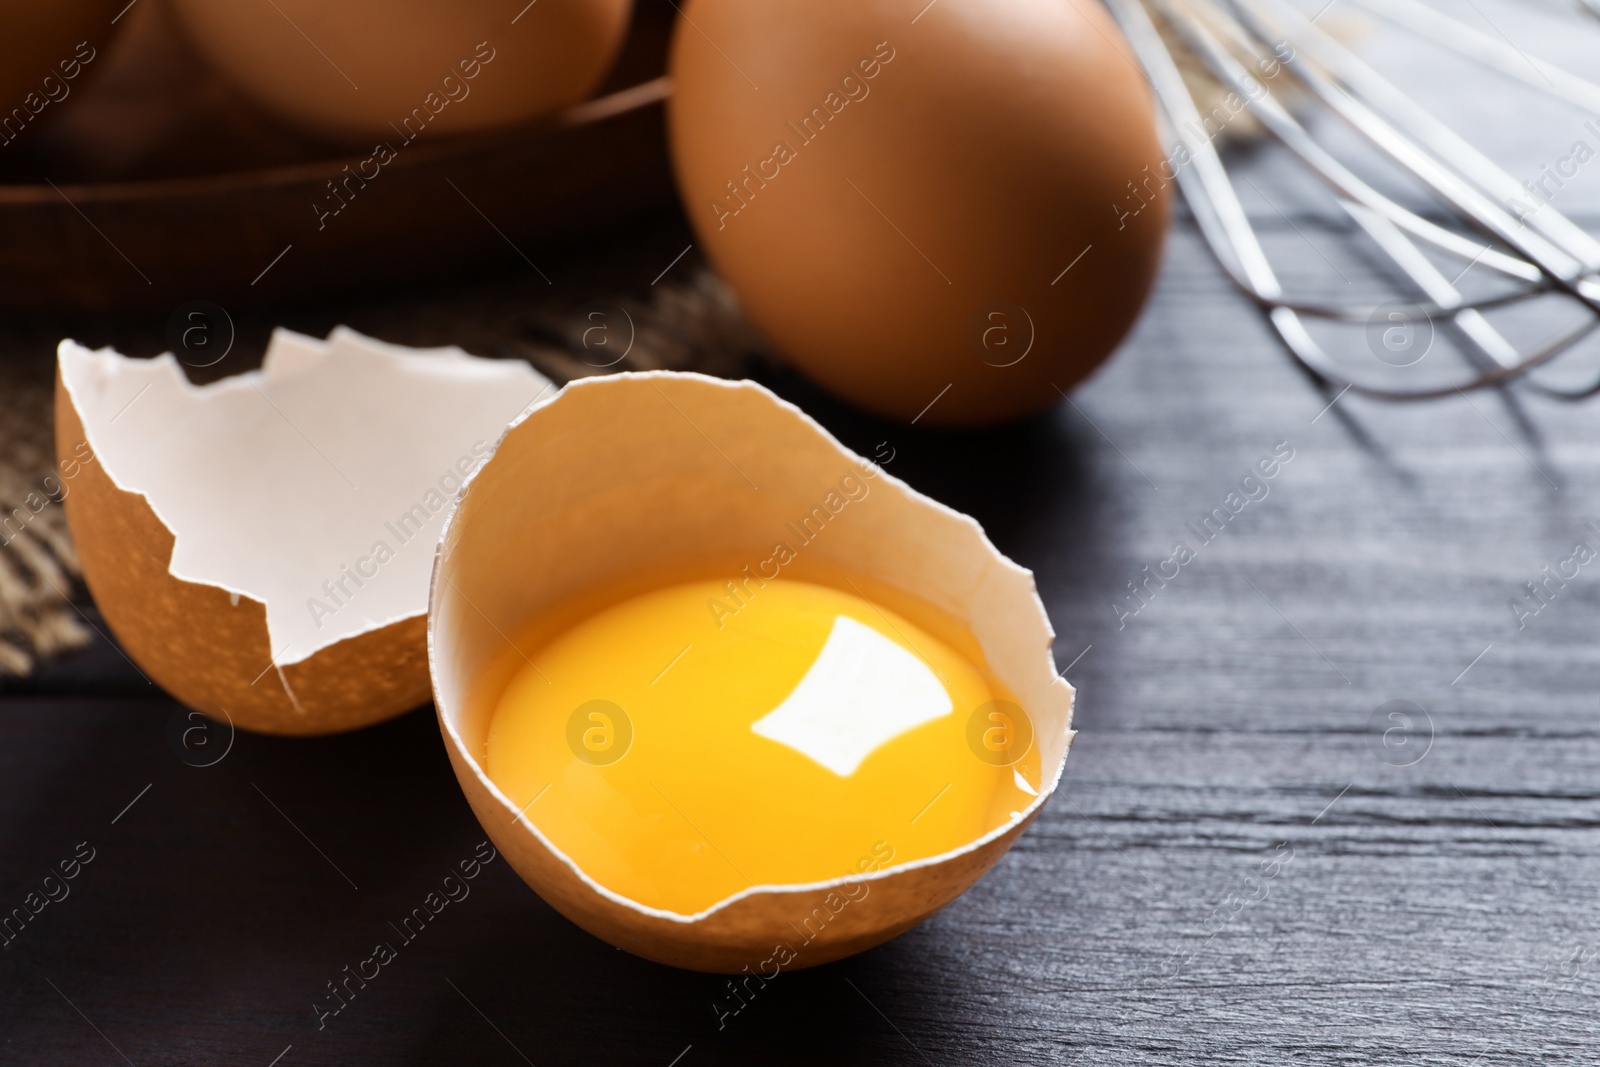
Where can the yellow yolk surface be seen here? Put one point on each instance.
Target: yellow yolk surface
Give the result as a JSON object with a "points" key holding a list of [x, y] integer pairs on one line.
{"points": [[683, 745]]}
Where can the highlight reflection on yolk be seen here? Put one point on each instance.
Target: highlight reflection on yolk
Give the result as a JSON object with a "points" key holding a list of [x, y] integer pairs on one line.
{"points": [[679, 755]]}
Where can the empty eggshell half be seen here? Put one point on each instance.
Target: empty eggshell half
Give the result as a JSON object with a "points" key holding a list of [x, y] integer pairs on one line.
{"points": [[646, 473], [261, 545]]}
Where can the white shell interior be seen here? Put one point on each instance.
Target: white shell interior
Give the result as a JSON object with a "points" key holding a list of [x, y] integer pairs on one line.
{"points": [[316, 485]]}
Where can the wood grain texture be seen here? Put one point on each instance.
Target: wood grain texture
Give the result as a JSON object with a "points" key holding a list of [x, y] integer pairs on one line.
{"points": [[1239, 869]]}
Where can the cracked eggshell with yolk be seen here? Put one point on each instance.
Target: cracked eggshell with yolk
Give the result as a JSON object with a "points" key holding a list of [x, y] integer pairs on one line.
{"points": [[260, 546], [640, 474]]}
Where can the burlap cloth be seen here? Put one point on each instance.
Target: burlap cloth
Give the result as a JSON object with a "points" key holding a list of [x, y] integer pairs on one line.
{"points": [[686, 320]]}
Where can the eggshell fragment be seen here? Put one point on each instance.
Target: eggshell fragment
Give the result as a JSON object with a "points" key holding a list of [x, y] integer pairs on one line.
{"points": [[230, 532], [644, 473]]}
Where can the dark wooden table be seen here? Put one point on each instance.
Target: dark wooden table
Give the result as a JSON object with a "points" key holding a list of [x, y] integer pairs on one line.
{"points": [[1250, 861]]}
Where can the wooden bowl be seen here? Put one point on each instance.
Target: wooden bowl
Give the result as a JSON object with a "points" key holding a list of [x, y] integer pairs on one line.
{"points": [[161, 185]]}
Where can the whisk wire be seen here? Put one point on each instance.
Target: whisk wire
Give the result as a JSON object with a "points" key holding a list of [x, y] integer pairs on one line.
{"points": [[1542, 250]]}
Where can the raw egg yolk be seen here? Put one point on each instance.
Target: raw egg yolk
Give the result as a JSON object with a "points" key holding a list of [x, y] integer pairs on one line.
{"points": [[683, 745]]}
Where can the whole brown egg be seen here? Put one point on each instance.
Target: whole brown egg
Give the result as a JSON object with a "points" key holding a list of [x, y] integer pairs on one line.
{"points": [[352, 69], [948, 212]]}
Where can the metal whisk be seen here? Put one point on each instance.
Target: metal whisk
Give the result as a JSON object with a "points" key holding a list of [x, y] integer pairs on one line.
{"points": [[1538, 253]]}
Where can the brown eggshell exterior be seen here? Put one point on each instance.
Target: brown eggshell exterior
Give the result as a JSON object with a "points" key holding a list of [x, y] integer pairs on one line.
{"points": [[191, 640], [996, 146], [37, 35], [745, 932], [288, 56]]}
